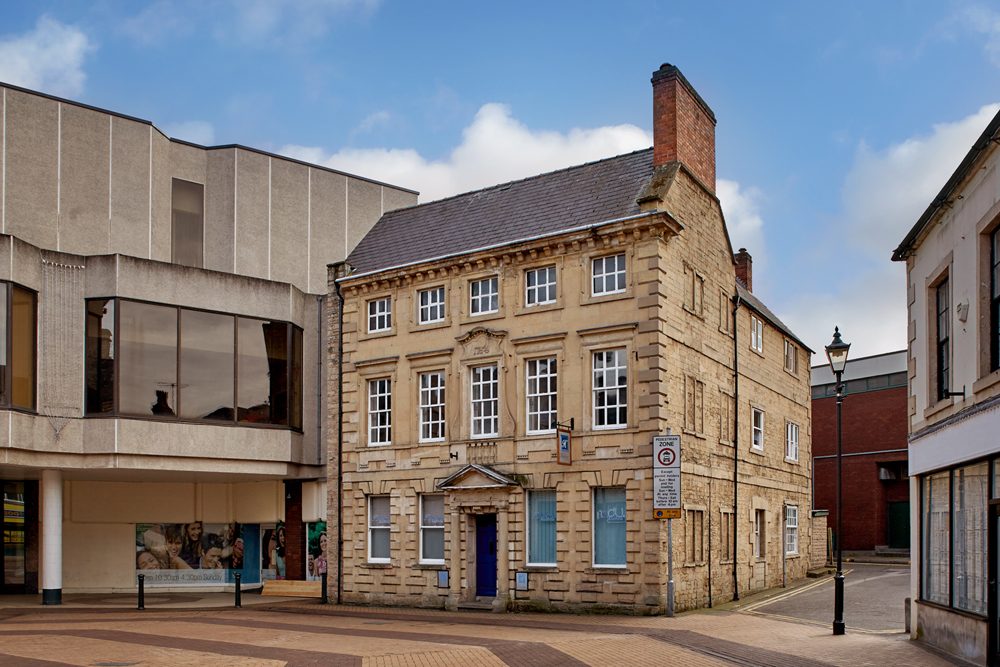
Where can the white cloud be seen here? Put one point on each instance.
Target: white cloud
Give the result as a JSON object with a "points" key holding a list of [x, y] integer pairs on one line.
{"points": [[48, 58], [196, 131], [157, 23], [495, 148], [372, 121], [741, 206], [886, 191], [986, 22], [292, 20]]}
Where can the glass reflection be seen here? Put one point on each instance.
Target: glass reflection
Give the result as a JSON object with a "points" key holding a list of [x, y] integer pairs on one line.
{"points": [[148, 359], [100, 356], [207, 365], [262, 371], [22, 348]]}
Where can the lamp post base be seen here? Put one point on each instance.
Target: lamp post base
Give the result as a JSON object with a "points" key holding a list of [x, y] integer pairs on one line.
{"points": [[838, 627], [838, 603]]}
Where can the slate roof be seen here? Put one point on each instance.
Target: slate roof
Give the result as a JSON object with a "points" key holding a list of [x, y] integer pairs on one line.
{"points": [[540, 205], [765, 312]]}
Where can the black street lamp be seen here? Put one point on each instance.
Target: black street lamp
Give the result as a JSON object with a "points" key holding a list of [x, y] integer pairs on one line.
{"points": [[836, 352]]}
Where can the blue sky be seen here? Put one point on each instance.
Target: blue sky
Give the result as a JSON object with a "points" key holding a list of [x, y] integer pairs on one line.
{"points": [[831, 119]]}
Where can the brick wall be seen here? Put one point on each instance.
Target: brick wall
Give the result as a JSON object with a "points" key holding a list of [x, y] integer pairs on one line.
{"points": [[683, 126]]}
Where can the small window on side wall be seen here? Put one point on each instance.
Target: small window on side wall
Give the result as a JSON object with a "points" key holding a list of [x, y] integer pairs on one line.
{"points": [[188, 223]]}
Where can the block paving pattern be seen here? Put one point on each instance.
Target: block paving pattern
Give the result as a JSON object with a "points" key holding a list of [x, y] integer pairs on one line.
{"points": [[300, 635]]}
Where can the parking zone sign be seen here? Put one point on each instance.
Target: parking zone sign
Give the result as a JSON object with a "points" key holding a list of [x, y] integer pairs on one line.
{"points": [[667, 477]]}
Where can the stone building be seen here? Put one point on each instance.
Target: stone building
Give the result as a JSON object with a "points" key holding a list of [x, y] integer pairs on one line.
{"points": [[876, 495], [603, 296], [162, 365], [952, 257]]}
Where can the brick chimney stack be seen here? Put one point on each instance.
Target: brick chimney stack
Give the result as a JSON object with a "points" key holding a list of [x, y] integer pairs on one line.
{"points": [[683, 125], [744, 268]]}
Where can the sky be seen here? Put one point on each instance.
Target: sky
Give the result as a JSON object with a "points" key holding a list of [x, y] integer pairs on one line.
{"points": [[837, 122]]}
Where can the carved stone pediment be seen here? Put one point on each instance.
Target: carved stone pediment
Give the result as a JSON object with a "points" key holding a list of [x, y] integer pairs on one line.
{"points": [[481, 342], [474, 476]]}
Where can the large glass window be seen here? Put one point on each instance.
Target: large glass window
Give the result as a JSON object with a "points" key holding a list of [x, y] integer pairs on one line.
{"points": [[432, 529], [379, 528], [541, 527], [971, 489], [19, 367], [541, 395], [610, 389], [609, 527], [187, 231], [171, 362], [208, 365], [935, 531]]}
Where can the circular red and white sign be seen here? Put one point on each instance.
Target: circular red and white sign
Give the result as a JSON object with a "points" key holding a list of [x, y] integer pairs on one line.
{"points": [[666, 456]]}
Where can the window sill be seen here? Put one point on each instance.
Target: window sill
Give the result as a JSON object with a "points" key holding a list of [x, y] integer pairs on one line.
{"points": [[759, 353], [793, 556], [430, 326], [607, 569], [759, 451], [541, 308], [376, 334], [377, 566], [429, 566], [552, 569], [961, 612], [592, 299], [696, 434], [986, 382], [700, 563], [794, 461], [694, 313], [939, 407]]}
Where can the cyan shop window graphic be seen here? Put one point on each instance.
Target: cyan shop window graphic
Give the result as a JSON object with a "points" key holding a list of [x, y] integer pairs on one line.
{"points": [[612, 514]]}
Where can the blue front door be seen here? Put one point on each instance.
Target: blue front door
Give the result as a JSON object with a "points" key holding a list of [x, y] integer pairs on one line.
{"points": [[486, 555]]}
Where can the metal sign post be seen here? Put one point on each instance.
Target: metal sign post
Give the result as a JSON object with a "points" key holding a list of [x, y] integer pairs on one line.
{"points": [[667, 497]]}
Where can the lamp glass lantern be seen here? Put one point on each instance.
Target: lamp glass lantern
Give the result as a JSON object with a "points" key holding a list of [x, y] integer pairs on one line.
{"points": [[837, 351]]}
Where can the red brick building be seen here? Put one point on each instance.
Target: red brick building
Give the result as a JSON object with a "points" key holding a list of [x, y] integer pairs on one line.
{"points": [[876, 489]]}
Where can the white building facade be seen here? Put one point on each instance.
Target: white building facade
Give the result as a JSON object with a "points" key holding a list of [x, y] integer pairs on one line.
{"points": [[952, 258]]}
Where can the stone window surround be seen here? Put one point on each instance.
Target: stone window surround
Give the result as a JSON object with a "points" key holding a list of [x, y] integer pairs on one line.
{"points": [[366, 370]]}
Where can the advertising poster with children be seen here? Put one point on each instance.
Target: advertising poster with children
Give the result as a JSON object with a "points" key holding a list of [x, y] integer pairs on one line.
{"points": [[316, 550], [189, 553]]}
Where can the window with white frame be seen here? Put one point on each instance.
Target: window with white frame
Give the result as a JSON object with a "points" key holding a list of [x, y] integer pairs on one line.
{"points": [[484, 296], [757, 440], [379, 315], [432, 406], [380, 411], [791, 530], [759, 533], [431, 305], [610, 388], [541, 536], [791, 357], [379, 528], [608, 275], [609, 527], [756, 334], [432, 529], [485, 401], [540, 286], [792, 441], [541, 395]]}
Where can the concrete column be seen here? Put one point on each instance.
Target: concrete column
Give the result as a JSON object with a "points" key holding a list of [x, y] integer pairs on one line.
{"points": [[503, 560], [52, 520]]}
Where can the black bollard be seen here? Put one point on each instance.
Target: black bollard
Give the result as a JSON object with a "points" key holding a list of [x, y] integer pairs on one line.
{"points": [[142, 591], [239, 592], [323, 597]]}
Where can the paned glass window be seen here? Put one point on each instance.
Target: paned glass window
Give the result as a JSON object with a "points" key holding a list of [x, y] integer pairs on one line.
{"points": [[431, 305], [608, 275], [379, 315], [756, 334], [432, 406], [432, 529], [484, 296], [935, 531], [757, 441], [485, 401], [379, 529], [609, 527], [943, 345], [610, 389], [379, 411], [541, 527], [540, 286], [791, 530], [541, 395], [969, 534], [791, 357], [792, 441]]}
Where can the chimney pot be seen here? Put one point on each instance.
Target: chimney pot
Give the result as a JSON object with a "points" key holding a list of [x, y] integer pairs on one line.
{"points": [[683, 125]]}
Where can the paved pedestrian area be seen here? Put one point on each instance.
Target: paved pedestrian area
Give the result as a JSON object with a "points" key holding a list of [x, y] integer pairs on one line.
{"points": [[306, 633]]}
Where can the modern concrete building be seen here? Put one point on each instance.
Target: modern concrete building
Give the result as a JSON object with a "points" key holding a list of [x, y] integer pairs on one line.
{"points": [[952, 257], [876, 486], [605, 298], [163, 351]]}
